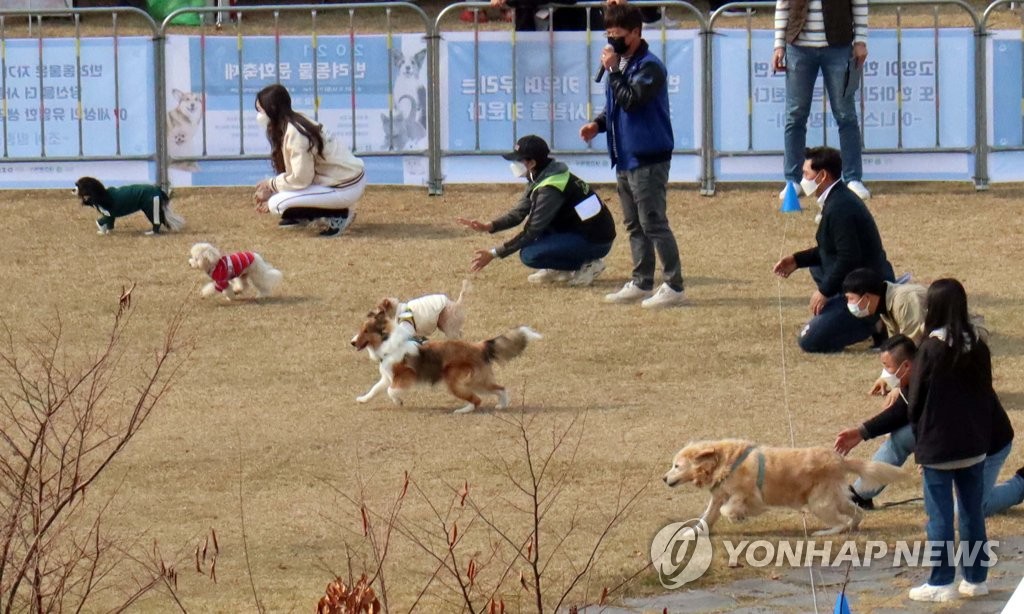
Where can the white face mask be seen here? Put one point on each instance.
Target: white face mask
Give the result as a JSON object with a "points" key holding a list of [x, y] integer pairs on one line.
{"points": [[808, 186], [519, 169], [262, 119], [891, 379], [857, 311]]}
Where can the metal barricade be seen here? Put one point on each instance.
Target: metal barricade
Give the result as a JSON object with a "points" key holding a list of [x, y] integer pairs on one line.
{"points": [[975, 60], [322, 23], [67, 127], [655, 34], [1000, 141], [70, 124]]}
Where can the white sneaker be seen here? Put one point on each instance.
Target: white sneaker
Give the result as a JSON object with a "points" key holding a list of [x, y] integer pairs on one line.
{"points": [[859, 189], [548, 276], [629, 293], [587, 273], [927, 592], [970, 589], [658, 23], [101, 229], [796, 187], [665, 297]]}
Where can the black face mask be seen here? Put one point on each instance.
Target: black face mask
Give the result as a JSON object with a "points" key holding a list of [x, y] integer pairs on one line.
{"points": [[618, 44]]}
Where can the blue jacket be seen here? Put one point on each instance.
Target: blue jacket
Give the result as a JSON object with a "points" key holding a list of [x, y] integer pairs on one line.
{"points": [[636, 113]]}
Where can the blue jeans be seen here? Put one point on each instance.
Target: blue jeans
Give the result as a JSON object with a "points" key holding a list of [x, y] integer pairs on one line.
{"points": [[938, 504], [835, 328], [836, 67], [562, 251], [1006, 495], [895, 451]]}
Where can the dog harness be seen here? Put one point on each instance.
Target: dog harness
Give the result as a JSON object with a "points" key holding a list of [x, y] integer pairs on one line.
{"points": [[230, 267], [739, 461]]}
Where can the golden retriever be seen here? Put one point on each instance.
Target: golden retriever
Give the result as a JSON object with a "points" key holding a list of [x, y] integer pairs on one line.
{"points": [[745, 479]]}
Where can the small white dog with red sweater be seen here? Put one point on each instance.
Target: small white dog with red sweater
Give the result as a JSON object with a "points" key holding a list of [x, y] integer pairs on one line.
{"points": [[234, 273]]}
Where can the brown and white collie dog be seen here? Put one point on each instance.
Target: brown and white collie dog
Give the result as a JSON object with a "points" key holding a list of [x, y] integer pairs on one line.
{"points": [[466, 368]]}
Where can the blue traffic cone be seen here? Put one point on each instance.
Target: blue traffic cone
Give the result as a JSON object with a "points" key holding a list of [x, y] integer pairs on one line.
{"points": [[790, 202], [842, 605]]}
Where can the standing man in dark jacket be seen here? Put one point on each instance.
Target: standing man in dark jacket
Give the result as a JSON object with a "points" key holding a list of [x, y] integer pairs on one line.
{"points": [[847, 239], [640, 142], [568, 229]]}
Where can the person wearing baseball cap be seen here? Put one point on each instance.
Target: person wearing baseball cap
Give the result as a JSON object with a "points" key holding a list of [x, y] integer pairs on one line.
{"points": [[567, 230]]}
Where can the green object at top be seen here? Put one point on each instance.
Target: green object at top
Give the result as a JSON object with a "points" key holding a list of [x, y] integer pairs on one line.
{"points": [[160, 9]]}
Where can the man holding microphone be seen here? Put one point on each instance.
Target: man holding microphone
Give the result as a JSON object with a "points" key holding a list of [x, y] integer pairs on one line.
{"points": [[640, 142]]}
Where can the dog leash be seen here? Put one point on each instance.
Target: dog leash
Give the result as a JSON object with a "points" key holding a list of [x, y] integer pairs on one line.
{"points": [[903, 502], [785, 396]]}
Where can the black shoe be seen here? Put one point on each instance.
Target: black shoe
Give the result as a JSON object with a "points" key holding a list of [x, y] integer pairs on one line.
{"points": [[288, 223], [862, 503]]}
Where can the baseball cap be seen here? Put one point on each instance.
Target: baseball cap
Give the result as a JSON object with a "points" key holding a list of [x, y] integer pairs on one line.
{"points": [[530, 147]]}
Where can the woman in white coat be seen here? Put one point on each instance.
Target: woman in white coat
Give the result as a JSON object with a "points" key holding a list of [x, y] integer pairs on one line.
{"points": [[318, 178]]}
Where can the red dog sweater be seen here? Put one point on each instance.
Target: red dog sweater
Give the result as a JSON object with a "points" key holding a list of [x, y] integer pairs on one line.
{"points": [[230, 267]]}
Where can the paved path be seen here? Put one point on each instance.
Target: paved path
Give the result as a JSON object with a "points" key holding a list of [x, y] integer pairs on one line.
{"points": [[879, 589]]}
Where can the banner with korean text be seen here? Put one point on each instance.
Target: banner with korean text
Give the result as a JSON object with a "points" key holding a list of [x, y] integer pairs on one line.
{"points": [[917, 94], [68, 100], [498, 86]]}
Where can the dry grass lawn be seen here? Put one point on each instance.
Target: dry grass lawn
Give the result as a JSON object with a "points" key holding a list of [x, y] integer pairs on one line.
{"points": [[266, 401]]}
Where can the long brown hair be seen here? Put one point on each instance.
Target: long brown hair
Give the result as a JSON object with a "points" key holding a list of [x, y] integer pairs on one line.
{"points": [[277, 104]]}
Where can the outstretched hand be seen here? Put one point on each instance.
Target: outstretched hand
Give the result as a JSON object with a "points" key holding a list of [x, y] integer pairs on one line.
{"points": [[475, 224], [847, 440], [481, 258]]}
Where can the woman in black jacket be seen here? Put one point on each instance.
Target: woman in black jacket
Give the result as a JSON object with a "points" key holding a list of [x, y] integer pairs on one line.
{"points": [[954, 413]]}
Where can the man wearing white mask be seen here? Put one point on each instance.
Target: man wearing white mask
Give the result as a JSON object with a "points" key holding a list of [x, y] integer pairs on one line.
{"points": [[847, 239], [897, 358], [567, 231]]}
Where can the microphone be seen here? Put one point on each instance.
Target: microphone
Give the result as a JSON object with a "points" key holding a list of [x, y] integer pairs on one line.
{"points": [[602, 70]]}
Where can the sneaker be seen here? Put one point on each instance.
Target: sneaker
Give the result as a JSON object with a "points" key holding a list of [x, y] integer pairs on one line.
{"points": [[291, 223], [548, 276], [796, 186], [630, 293], [970, 589], [587, 273], [859, 189], [152, 232], [664, 297], [347, 221], [862, 503], [101, 229], [337, 225], [927, 592], [666, 21]]}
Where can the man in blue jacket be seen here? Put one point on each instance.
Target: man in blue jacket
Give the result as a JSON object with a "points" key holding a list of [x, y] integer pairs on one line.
{"points": [[640, 143]]}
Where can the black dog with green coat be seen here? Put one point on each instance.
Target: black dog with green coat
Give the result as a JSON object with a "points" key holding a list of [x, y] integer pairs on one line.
{"points": [[113, 203]]}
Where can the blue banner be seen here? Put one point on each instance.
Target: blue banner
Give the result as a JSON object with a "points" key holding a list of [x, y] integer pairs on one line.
{"points": [[916, 93], [499, 86], [41, 113]]}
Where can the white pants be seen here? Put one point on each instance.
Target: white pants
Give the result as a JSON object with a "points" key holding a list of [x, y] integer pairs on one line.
{"points": [[317, 200]]}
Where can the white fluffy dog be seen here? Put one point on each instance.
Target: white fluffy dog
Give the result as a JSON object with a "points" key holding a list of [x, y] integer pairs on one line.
{"points": [[234, 273]]}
